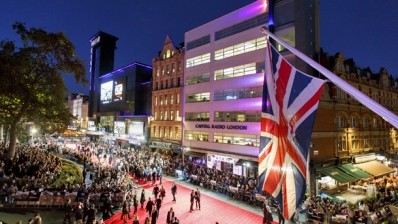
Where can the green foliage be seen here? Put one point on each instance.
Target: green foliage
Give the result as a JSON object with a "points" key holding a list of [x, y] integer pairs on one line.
{"points": [[32, 87], [70, 174]]}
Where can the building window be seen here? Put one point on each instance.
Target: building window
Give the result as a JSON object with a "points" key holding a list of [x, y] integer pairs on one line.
{"points": [[198, 97], [341, 144], [158, 72], [165, 99], [178, 81], [237, 116], [178, 98], [161, 100], [242, 70], [156, 100], [198, 60], [168, 54], [162, 70], [354, 142], [195, 79], [341, 121], [161, 115], [354, 122], [241, 93], [172, 115], [197, 116], [237, 139], [240, 48], [156, 115], [177, 135], [197, 136], [172, 99], [165, 115]]}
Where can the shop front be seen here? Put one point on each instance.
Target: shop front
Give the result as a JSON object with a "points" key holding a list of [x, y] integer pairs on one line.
{"points": [[332, 180]]}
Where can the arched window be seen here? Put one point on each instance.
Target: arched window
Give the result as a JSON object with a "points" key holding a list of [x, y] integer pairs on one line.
{"points": [[341, 122]]}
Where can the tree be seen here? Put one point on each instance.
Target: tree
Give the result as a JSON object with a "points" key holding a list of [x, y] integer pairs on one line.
{"points": [[32, 87]]}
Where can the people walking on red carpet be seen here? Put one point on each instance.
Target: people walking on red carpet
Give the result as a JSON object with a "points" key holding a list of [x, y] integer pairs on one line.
{"points": [[158, 203], [142, 199], [136, 220], [156, 191], [154, 216], [162, 192], [174, 191], [135, 204], [125, 212], [197, 198], [149, 206], [170, 216], [192, 200]]}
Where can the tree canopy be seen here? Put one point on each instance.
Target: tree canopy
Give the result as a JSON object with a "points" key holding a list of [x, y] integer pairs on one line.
{"points": [[32, 88]]}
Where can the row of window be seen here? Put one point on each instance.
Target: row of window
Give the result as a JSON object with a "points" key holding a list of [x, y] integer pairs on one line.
{"points": [[237, 49], [241, 48], [168, 69], [166, 116], [226, 94], [164, 100], [367, 142], [225, 116], [356, 122], [225, 138], [166, 84], [172, 133], [240, 70]]}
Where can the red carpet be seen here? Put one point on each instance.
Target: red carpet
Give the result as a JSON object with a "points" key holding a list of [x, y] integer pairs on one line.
{"points": [[212, 210]]}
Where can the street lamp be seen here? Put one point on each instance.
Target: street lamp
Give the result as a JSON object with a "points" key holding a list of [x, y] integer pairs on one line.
{"points": [[33, 132]]}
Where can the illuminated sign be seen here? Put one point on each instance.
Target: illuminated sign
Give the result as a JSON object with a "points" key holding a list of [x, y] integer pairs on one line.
{"points": [[106, 92], [221, 126], [136, 128], [120, 127], [118, 91]]}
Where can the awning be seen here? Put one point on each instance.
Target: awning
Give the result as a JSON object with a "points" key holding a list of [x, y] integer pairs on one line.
{"points": [[375, 168], [243, 162], [194, 154], [354, 171], [338, 175]]}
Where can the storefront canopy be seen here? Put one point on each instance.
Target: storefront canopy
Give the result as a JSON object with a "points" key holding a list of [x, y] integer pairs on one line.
{"points": [[375, 168], [338, 175], [244, 162], [194, 154], [354, 171]]}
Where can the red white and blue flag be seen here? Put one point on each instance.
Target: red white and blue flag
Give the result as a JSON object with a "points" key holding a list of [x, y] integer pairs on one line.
{"points": [[290, 101]]}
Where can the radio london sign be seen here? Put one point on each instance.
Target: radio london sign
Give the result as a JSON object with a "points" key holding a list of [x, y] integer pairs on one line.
{"points": [[222, 126]]}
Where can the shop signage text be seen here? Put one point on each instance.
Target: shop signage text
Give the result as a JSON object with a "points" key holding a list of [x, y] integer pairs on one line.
{"points": [[221, 126]]}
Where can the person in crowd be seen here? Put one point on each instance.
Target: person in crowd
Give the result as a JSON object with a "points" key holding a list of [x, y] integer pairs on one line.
{"points": [[162, 192], [158, 203], [136, 220], [170, 216], [192, 199], [37, 219], [142, 199], [135, 204], [154, 216], [267, 216], [174, 191], [147, 220], [156, 191], [68, 208], [79, 213], [149, 206], [197, 198], [91, 214], [108, 204], [125, 212], [86, 206], [176, 221]]}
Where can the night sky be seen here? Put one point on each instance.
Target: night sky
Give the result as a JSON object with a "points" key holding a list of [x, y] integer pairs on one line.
{"points": [[365, 30]]}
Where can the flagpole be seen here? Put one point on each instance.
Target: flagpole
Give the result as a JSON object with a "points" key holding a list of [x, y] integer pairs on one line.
{"points": [[350, 90]]}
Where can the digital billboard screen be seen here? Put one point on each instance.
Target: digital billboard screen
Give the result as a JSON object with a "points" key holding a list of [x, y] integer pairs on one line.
{"points": [[119, 86], [106, 92], [136, 128]]}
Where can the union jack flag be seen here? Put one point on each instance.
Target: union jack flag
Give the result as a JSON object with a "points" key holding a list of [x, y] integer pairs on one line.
{"points": [[290, 100]]}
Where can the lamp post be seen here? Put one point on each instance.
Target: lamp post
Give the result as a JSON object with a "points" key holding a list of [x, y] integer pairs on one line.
{"points": [[33, 132]]}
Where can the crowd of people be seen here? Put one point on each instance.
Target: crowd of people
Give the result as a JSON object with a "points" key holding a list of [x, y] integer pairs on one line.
{"points": [[111, 169]]}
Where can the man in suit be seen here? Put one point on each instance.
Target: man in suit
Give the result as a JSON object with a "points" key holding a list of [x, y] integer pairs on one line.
{"points": [[192, 200], [170, 216], [174, 191], [149, 206]]}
